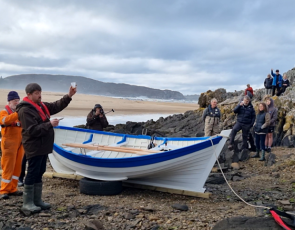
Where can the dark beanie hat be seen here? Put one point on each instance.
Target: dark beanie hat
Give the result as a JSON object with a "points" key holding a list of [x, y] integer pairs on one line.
{"points": [[97, 106], [32, 87], [12, 95]]}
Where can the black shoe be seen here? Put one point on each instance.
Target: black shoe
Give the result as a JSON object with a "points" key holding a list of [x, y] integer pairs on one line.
{"points": [[268, 150], [256, 156], [17, 193], [4, 196]]}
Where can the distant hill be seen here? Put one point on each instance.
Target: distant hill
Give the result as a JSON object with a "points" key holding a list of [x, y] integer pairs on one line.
{"points": [[61, 83], [194, 97]]}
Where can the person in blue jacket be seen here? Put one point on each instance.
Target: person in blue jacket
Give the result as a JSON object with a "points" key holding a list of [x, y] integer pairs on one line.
{"points": [[245, 120], [276, 81]]}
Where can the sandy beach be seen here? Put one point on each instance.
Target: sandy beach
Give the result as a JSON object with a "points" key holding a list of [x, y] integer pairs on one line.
{"points": [[82, 104]]}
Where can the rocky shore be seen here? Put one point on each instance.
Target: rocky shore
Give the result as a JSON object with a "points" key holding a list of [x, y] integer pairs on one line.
{"points": [[144, 209]]}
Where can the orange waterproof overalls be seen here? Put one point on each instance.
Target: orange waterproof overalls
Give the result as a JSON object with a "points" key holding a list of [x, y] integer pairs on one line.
{"points": [[12, 150]]}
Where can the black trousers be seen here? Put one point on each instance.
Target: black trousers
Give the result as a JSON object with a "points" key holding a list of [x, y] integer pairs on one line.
{"points": [[23, 172], [274, 87], [245, 132], [36, 169], [282, 90]]}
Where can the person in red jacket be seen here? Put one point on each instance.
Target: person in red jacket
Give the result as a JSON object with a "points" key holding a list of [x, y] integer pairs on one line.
{"points": [[249, 91], [12, 148]]}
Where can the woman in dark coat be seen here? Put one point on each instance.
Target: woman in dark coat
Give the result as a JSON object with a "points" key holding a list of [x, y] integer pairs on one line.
{"points": [[261, 128]]}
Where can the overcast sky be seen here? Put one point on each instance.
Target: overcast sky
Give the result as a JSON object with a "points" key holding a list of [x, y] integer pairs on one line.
{"points": [[185, 45]]}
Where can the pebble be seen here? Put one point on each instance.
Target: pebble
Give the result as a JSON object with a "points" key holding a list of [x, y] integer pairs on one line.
{"points": [[153, 217], [44, 214], [181, 207]]}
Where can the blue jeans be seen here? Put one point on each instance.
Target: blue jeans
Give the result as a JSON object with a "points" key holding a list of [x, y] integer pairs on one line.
{"points": [[260, 141]]}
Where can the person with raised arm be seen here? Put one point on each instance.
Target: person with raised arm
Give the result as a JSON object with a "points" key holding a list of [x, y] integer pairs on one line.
{"points": [[38, 139], [276, 81]]}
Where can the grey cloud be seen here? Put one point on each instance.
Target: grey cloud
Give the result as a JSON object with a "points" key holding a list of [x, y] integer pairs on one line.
{"points": [[183, 45]]}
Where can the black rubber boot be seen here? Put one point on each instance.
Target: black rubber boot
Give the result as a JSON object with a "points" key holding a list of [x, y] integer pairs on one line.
{"points": [[38, 197], [28, 199], [257, 154], [263, 156]]}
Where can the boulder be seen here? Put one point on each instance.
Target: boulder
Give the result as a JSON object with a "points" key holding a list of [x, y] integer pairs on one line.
{"points": [[205, 98]]}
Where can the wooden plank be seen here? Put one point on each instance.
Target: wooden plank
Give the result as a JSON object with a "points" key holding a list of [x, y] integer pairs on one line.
{"points": [[168, 190], [109, 148], [48, 174]]}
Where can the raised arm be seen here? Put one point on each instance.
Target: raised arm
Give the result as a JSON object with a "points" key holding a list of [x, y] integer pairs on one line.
{"points": [[57, 106], [61, 104], [272, 74]]}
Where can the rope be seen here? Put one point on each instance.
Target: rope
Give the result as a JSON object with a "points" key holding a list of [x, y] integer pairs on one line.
{"points": [[252, 205]]}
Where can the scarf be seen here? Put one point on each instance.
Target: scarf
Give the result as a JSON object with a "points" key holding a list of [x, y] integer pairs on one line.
{"points": [[43, 114]]}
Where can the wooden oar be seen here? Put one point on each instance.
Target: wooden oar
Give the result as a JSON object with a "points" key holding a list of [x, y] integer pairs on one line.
{"points": [[128, 148], [109, 148]]}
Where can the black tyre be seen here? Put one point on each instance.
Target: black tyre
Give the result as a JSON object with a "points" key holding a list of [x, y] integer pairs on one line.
{"points": [[98, 187]]}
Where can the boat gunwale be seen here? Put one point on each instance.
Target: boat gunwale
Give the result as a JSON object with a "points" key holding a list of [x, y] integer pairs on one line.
{"points": [[132, 136]]}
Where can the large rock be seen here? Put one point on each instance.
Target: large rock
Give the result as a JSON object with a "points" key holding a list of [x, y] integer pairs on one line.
{"points": [[205, 98], [247, 223]]}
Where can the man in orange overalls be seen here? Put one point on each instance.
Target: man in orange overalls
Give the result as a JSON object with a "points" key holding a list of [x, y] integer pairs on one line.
{"points": [[12, 148]]}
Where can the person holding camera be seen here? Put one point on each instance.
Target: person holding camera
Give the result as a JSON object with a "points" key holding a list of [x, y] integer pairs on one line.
{"points": [[96, 119]]}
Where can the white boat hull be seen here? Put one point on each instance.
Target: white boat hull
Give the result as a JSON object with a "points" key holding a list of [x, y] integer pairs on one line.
{"points": [[186, 168]]}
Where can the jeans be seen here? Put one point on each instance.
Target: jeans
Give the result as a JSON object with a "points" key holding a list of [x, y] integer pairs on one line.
{"points": [[36, 169], [245, 132], [260, 141]]}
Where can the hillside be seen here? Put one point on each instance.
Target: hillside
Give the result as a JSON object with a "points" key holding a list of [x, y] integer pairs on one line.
{"points": [[60, 83]]}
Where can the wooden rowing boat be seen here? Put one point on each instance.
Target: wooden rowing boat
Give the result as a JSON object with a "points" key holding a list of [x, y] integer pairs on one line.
{"points": [[185, 164]]}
